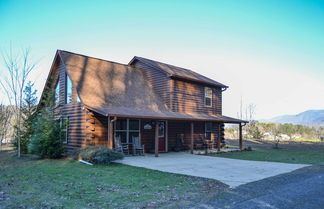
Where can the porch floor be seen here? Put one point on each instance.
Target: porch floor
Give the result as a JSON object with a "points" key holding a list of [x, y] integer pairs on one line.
{"points": [[229, 171]]}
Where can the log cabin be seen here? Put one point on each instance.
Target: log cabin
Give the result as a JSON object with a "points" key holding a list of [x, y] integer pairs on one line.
{"points": [[167, 108]]}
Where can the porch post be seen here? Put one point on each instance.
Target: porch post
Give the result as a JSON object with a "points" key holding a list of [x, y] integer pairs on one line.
{"points": [[110, 133], [240, 137], [192, 137], [156, 139], [219, 138], [166, 136]]}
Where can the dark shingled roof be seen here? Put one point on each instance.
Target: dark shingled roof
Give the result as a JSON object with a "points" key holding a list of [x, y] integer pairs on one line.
{"points": [[115, 89], [178, 72]]}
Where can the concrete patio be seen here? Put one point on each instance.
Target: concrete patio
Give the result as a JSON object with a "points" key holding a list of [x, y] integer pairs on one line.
{"points": [[229, 171]]}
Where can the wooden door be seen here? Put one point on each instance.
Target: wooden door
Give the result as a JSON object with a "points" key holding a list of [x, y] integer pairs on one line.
{"points": [[161, 136]]}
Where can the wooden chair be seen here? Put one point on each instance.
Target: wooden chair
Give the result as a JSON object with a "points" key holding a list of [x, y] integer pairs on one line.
{"points": [[119, 147], [200, 143], [137, 146]]}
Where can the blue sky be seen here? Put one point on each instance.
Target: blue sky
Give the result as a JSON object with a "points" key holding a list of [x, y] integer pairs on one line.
{"points": [[270, 53]]}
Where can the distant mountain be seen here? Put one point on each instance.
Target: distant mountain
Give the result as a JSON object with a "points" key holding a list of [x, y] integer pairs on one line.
{"points": [[307, 118]]}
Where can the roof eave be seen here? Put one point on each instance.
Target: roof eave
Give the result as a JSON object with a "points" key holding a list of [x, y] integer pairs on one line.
{"points": [[198, 81], [48, 78]]}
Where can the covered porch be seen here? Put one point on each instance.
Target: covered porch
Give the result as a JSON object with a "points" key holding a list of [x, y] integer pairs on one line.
{"points": [[161, 135]]}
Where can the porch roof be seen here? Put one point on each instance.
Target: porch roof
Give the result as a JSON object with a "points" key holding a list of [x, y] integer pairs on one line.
{"points": [[166, 115]]}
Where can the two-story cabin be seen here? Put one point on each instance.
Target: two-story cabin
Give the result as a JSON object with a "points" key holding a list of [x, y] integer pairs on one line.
{"points": [[167, 107]]}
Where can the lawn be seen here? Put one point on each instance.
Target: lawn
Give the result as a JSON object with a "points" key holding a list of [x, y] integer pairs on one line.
{"points": [[303, 153], [29, 182], [307, 140]]}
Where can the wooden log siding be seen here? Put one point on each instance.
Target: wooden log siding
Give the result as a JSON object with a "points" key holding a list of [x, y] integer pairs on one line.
{"points": [[190, 97], [85, 127], [147, 135], [181, 96]]}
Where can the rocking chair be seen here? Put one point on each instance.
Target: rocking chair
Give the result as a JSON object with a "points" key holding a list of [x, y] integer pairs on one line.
{"points": [[119, 147], [137, 147]]}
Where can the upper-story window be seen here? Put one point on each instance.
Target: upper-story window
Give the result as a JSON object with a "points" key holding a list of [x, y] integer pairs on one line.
{"points": [[208, 96], [68, 98], [57, 93], [78, 100]]}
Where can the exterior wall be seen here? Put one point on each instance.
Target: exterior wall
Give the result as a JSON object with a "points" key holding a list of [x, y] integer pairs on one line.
{"points": [[180, 95], [190, 97], [148, 136], [85, 127]]}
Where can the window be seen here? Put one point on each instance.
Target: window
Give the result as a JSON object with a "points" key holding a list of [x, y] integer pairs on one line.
{"points": [[208, 130], [78, 99], [57, 93], [126, 129], [161, 129], [68, 98], [64, 125], [208, 96]]}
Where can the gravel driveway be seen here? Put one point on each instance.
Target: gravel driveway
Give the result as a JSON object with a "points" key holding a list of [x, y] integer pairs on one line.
{"points": [[229, 171]]}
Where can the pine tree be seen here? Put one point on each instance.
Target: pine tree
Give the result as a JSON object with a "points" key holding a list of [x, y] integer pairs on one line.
{"points": [[28, 116]]}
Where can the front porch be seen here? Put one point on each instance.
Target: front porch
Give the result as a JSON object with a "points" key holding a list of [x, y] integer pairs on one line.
{"points": [[161, 136]]}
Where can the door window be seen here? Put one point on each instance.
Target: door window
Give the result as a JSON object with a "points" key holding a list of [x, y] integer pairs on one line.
{"points": [[161, 129]]}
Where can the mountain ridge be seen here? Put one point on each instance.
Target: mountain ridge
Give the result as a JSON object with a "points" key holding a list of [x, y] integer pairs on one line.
{"points": [[306, 118]]}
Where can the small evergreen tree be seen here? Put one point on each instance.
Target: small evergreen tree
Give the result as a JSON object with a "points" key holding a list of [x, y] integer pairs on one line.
{"points": [[254, 130], [46, 141], [28, 109]]}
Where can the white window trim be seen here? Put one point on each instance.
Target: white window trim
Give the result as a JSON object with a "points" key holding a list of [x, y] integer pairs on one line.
{"points": [[210, 97]]}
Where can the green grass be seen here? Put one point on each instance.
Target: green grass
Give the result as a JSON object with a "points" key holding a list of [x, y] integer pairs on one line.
{"points": [[306, 140], [6, 148], [287, 154], [33, 183]]}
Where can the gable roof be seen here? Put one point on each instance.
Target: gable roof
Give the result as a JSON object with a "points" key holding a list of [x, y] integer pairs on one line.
{"points": [[178, 72], [115, 89], [103, 85]]}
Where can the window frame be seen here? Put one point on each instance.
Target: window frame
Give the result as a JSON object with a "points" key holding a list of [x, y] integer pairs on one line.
{"points": [[67, 89], [208, 132], [127, 130], [57, 93], [64, 129], [206, 96]]}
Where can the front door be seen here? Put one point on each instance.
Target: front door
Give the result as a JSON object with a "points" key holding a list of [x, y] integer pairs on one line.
{"points": [[161, 136]]}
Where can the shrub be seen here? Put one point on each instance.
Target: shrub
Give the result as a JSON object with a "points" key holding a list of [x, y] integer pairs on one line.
{"points": [[249, 148], [99, 155]]}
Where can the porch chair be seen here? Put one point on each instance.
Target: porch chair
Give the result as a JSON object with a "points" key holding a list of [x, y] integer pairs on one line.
{"points": [[119, 147], [137, 147], [200, 143]]}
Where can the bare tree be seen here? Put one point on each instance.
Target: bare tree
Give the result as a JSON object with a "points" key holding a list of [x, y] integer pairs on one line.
{"points": [[251, 112], [17, 69], [275, 131]]}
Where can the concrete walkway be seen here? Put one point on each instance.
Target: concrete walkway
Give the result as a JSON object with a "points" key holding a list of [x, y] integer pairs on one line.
{"points": [[229, 171]]}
